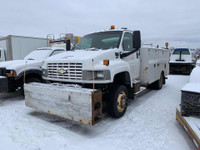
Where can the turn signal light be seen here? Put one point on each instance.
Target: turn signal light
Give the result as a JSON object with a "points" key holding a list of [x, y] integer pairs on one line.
{"points": [[12, 74], [50, 41], [106, 62], [112, 27], [67, 38]]}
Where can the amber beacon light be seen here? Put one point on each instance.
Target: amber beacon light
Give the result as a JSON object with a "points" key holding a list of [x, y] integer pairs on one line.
{"points": [[112, 27]]}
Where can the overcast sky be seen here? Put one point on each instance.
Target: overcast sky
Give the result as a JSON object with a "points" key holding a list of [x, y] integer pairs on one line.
{"points": [[175, 21]]}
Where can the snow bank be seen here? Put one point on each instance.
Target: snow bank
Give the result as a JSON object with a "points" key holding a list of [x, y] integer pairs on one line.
{"points": [[149, 124], [194, 82], [198, 63]]}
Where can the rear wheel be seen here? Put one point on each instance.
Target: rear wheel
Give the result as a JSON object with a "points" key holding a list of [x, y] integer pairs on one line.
{"points": [[159, 83], [117, 103]]}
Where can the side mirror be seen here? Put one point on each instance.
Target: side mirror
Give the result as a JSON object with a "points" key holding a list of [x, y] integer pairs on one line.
{"points": [[136, 39]]}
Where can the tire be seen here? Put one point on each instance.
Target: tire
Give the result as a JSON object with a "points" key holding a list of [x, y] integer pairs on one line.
{"points": [[164, 80], [189, 70], [28, 81], [33, 80], [159, 83], [117, 103]]}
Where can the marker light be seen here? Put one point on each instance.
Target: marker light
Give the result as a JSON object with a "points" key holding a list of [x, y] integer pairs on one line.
{"points": [[112, 27], [78, 39], [50, 41], [11, 73], [106, 62], [67, 38], [166, 43]]}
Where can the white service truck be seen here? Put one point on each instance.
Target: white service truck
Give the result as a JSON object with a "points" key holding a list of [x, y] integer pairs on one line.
{"points": [[14, 73], [181, 61], [105, 67], [17, 47]]}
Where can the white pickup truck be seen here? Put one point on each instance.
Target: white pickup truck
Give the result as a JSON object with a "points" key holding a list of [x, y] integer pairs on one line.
{"points": [[106, 66], [181, 61], [14, 73]]}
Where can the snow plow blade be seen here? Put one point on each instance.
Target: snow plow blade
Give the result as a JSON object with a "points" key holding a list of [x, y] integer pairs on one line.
{"points": [[67, 101]]}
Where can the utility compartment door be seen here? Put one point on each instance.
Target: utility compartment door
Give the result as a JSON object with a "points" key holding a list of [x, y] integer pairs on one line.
{"points": [[153, 62], [152, 65]]}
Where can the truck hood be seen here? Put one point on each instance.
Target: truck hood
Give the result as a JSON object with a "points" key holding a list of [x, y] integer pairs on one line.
{"points": [[15, 64], [81, 55]]}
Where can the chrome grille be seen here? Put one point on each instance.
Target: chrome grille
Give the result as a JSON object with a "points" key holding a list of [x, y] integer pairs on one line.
{"points": [[73, 71]]}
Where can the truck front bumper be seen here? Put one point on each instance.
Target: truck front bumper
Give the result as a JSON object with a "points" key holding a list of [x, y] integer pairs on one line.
{"points": [[67, 101], [3, 84]]}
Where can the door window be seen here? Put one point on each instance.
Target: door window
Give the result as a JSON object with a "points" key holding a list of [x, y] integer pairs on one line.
{"points": [[128, 42]]}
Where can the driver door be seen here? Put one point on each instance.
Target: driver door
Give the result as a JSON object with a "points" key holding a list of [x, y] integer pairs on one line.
{"points": [[133, 59]]}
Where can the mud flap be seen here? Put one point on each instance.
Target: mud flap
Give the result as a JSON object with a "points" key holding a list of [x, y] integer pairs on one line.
{"points": [[67, 101]]}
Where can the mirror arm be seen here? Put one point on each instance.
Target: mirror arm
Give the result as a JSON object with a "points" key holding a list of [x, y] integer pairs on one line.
{"points": [[122, 55]]}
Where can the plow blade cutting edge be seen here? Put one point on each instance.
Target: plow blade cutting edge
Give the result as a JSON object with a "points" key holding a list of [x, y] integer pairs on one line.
{"points": [[71, 102]]}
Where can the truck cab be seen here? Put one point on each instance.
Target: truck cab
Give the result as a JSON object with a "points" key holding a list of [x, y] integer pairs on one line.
{"points": [[2, 55], [102, 52]]}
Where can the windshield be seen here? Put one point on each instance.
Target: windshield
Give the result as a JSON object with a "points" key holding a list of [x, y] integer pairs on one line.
{"points": [[38, 55], [183, 51], [101, 40]]}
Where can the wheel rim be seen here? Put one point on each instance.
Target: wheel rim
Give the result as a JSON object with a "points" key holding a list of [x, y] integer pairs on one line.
{"points": [[121, 101]]}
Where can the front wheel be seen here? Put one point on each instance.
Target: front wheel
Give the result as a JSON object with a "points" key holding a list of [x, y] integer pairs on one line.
{"points": [[117, 103]]}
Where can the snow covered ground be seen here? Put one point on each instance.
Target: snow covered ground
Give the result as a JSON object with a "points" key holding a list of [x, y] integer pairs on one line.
{"points": [[149, 123]]}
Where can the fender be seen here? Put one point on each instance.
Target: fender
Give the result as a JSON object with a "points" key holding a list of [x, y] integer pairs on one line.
{"points": [[32, 71], [125, 75]]}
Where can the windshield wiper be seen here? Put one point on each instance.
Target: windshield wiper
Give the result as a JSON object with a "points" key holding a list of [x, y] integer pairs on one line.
{"points": [[30, 59]]}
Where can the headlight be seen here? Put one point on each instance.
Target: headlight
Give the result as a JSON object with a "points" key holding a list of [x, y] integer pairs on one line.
{"points": [[11, 73], [44, 72], [98, 75]]}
